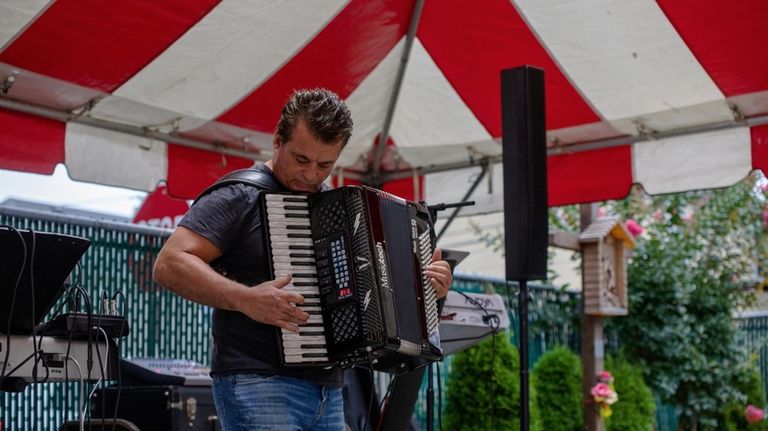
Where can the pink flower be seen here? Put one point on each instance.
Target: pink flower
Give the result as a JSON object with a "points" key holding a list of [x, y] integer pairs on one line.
{"points": [[601, 390], [605, 377], [633, 227], [604, 394], [601, 212], [754, 414]]}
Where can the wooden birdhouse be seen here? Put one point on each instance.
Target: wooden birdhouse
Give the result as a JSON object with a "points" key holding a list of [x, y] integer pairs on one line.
{"points": [[605, 248]]}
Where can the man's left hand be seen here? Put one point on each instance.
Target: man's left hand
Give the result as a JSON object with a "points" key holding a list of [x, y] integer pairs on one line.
{"points": [[440, 272]]}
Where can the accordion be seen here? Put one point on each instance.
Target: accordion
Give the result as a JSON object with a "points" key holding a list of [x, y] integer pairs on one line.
{"points": [[357, 255]]}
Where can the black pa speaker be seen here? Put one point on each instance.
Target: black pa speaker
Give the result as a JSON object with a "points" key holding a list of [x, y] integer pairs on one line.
{"points": [[525, 173]]}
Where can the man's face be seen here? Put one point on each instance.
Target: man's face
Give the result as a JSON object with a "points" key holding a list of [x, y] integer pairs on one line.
{"points": [[303, 162]]}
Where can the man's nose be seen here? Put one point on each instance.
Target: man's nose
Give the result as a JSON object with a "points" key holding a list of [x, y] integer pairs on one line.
{"points": [[314, 174]]}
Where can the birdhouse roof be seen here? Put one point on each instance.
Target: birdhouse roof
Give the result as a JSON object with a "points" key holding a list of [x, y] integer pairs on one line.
{"points": [[605, 226]]}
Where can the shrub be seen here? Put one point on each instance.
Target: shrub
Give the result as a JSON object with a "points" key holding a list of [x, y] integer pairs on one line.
{"points": [[474, 400], [635, 410], [557, 379]]}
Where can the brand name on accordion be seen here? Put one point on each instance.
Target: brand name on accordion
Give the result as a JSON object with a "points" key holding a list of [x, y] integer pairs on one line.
{"points": [[382, 266]]}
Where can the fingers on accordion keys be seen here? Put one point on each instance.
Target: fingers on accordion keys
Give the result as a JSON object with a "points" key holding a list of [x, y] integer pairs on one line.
{"points": [[288, 326]]}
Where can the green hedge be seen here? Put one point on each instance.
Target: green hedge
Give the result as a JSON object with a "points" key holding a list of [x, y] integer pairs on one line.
{"points": [[636, 409], [557, 378], [480, 399]]}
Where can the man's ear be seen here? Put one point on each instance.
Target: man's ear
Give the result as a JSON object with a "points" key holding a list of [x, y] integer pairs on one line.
{"points": [[276, 142]]}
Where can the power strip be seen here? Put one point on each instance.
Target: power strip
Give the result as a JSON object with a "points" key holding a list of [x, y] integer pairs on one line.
{"points": [[78, 324]]}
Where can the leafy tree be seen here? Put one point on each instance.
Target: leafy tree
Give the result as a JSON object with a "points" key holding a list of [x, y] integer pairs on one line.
{"points": [[698, 252], [483, 392], [635, 409], [557, 379]]}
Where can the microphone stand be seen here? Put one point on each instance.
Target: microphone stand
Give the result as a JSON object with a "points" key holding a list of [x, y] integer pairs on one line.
{"points": [[397, 412], [433, 209]]}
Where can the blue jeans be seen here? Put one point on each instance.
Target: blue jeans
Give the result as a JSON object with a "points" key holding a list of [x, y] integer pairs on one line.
{"points": [[250, 402]]}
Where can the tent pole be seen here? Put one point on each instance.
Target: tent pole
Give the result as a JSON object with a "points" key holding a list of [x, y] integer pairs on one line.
{"points": [[384, 136]]}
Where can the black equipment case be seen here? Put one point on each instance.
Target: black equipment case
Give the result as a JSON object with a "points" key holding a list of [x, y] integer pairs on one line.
{"points": [[171, 408]]}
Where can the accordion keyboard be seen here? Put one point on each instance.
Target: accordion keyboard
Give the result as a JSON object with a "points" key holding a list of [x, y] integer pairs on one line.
{"points": [[293, 254]]}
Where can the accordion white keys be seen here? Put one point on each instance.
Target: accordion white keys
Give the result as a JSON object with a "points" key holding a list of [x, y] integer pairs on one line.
{"points": [[358, 256]]}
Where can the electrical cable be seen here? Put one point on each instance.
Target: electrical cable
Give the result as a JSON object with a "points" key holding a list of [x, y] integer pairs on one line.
{"points": [[82, 293], [73, 290], [43, 334], [82, 384], [509, 299], [73, 308], [13, 301], [73, 305], [76, 282], [37, 338], [67, 301], [495, 322], [474, 337], [385, 398], [494, 318], [103, 309], [89, 314], [70, 300], [10, 373], [492, 383], [33, 323], [89, 360], [101, 369], [117, 348], [439, 400], [370, 400]]}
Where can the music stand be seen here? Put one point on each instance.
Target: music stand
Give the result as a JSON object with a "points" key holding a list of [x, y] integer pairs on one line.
{"points": [[454, 257], [50, 257]]}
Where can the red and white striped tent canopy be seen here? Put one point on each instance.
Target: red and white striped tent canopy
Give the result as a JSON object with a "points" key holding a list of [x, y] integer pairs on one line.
{"points": [[672, 94]]}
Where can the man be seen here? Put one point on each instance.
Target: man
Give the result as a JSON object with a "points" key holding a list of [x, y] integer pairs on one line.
{"points": [[217, 257]]}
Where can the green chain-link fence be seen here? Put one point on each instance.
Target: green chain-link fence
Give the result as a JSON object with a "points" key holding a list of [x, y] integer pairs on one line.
{"points": [[120, 258]]}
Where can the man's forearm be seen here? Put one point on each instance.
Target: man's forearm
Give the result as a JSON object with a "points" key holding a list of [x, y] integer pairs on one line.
{"points": [[188, 276]]}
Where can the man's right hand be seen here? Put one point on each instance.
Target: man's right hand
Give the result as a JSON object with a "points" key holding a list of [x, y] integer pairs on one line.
{"points": [[182, 267], [269, 303]]}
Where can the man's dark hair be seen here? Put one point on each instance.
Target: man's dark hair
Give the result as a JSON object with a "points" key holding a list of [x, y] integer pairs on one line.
{"points": [[324, 113]]}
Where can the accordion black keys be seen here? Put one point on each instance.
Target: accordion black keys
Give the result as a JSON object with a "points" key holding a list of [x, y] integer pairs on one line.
{"points": [[358, 257]]}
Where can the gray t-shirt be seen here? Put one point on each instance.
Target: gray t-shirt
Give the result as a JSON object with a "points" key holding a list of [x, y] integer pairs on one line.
{"points": [[230, 217]]}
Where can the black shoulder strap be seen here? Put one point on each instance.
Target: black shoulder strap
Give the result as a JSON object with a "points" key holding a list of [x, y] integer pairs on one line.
{"points": [[250, 176]]}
